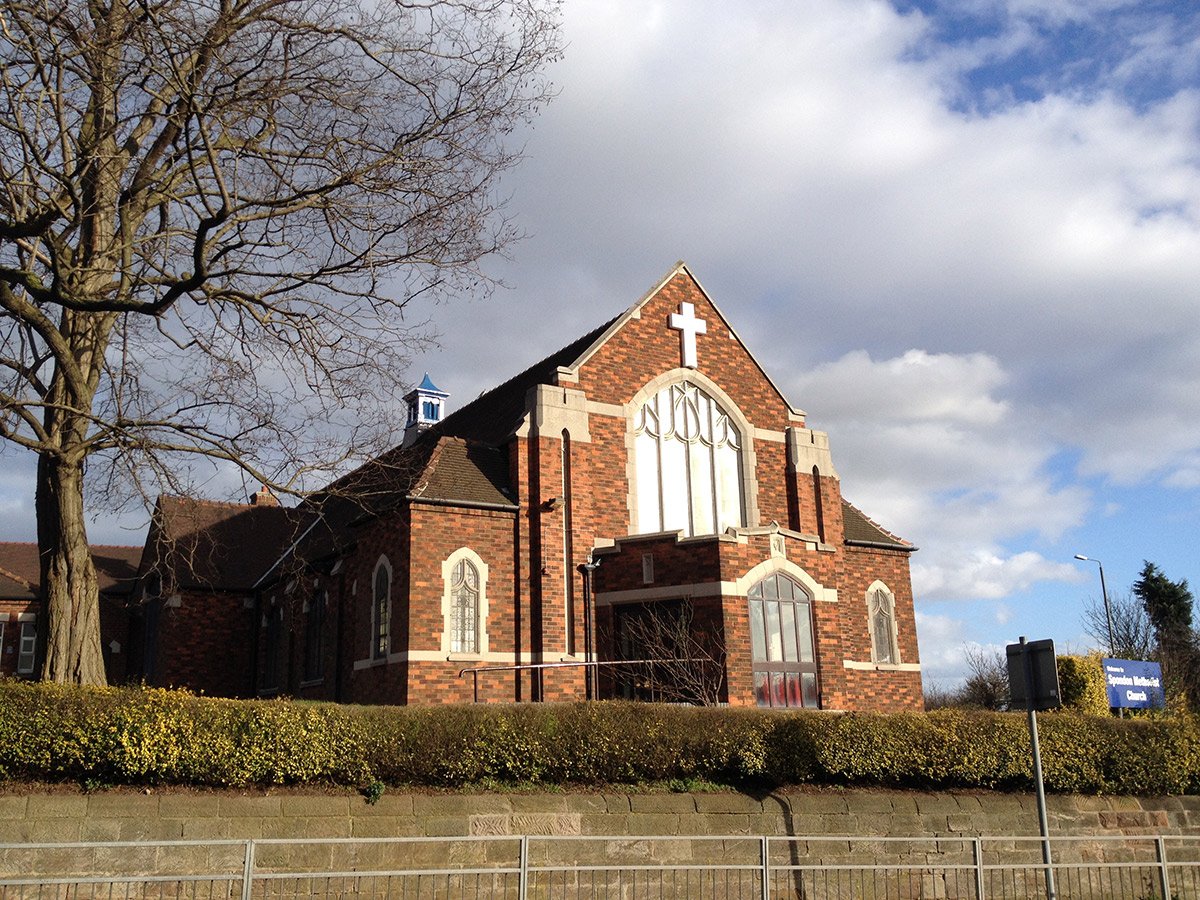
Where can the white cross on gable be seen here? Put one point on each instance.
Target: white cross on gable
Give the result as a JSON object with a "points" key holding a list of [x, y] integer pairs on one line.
{"points": [[688, 326]]}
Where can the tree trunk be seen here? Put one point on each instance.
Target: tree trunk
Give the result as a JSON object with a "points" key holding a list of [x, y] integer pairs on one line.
{"points": [[70, 622]]}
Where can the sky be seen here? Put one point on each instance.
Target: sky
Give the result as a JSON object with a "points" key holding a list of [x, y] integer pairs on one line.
{"points": [[963, 236]]}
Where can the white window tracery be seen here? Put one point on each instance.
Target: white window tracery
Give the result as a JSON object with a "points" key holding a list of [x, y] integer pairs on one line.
{"points": [[464, 625], [464, 604], [688, 457], [881, 619]]}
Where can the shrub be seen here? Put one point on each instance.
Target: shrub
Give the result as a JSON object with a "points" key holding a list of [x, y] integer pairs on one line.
{"points": [[129, 735], [1081, 684]]}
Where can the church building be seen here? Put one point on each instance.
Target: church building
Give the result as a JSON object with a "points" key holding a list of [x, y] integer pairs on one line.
{"points": [[642, 514]]}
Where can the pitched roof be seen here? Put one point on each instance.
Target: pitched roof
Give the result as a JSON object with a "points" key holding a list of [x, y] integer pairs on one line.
{"points": [[494, 415], [20, 573], [225, 546], [859, 528], [466, 471]]}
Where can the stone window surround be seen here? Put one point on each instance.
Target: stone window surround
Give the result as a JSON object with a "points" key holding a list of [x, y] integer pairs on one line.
{"points": [[876, 586], [448, 603], [749, 480]]}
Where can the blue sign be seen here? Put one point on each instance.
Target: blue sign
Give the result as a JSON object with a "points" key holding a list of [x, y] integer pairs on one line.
{"points": [[1133, 684]]}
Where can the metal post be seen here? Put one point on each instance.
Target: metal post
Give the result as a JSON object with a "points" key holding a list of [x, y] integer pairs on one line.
{"points": [[591, 674], [1112, 644], [977, 854], [1164, 875], [523, 877], [766, 868], [248, 871], [1043, 820]]}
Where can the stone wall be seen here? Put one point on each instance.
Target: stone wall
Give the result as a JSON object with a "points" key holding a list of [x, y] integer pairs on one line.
{"points": [[112, 816]]}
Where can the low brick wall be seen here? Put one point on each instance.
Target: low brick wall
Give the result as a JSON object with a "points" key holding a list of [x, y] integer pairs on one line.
{"points": [[119, 816]]}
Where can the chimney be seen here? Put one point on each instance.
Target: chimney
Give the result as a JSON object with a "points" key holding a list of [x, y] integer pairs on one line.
{"points": [[264, 498]]}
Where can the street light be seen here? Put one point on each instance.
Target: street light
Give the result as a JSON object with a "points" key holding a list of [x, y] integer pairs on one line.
{"points": [[1112, 650]]}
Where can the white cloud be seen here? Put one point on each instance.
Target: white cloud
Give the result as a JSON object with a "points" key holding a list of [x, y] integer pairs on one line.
{"points": [[984, 575]]}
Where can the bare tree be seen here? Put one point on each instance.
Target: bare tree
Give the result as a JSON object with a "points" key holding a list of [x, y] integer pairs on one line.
{"points": [[987, 682], [212, 216], [675, 657], [1133, 633]]}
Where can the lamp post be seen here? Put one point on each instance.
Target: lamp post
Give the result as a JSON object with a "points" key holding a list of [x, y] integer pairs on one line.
{"points": [[1112, 650]]}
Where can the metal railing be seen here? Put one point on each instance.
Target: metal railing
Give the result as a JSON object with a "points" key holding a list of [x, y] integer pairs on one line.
{"points": [[820, 867]]}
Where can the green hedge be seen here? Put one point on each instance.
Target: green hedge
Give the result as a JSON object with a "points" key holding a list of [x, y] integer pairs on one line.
{"points": [[134, 736], [1081, 683]]}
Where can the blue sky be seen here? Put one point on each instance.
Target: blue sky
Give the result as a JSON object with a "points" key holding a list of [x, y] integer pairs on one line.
{"points": [[964, 236]]}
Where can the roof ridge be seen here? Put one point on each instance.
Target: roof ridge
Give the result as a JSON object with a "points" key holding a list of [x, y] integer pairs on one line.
{"points": [[589, 337], [15, 577]]}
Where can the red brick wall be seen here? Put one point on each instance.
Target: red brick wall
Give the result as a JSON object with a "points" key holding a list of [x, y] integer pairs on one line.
{"points": [[203, 645]]}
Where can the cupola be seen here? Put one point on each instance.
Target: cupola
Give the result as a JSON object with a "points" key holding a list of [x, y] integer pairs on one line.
{"points": [[426, 407]]}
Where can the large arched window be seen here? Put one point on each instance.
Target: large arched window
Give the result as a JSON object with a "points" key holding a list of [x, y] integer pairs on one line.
{"points": [[781, 643], [464, 604], [688, 458]]}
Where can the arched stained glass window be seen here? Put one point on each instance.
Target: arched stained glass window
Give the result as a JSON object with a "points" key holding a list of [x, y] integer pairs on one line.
{"points": [[464, 624], [781, 643], [381, 618], [881, 612], [688, 459]]}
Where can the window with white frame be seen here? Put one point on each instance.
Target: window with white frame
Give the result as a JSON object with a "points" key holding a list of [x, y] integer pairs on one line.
{"points": [[381, 610], [27, 644], [464, 608], [464, 604], [688, 462], [881, 619]]}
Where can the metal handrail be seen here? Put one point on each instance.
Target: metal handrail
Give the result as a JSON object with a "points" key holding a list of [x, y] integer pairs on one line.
{"points": [[540, 667]]}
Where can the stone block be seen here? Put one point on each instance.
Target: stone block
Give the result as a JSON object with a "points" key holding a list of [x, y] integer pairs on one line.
{"points": [[386, 826], [444, 806], [250, 807], [721, 823], [962, 824], [449, 826], [241, 828], [391, 805], [581, 803], [937, 805], [312, 828], [13, 807], [653, 823], [551, 803], [736, 804], [150, 829], [617, 803], [122, 806], [605, 824], [865, 805], [56, 806], [830, 804], [46, 831], [662, 803], [101, 829], [315, 807], [189, 806]]}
